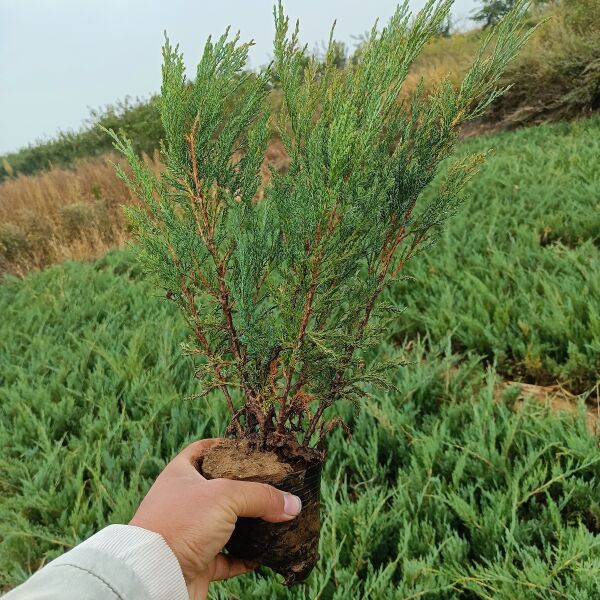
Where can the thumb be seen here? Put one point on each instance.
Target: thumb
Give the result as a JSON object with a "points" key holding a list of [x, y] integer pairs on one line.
{"points": [[249, 499]]}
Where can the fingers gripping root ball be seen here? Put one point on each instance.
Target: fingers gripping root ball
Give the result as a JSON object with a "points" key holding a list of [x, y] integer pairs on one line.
{"points": [[289, 548]]}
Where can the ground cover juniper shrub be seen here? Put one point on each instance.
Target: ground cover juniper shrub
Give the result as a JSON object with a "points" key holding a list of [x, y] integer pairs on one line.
{"points": [[522, 288], [446, 491]]}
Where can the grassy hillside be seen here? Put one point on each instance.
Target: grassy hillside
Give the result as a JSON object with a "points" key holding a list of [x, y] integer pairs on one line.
{"points": [[516, 275], [446, 491], [72, 213]]}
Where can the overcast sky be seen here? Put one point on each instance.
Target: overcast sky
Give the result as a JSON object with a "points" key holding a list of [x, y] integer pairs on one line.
{"points": [[58, 58]]}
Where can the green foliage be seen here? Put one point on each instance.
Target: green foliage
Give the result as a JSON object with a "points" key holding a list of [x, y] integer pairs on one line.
{"points": [[282, 295], [492, 12], [516, 275], [446, 492], [558, 75], [140, 120]]}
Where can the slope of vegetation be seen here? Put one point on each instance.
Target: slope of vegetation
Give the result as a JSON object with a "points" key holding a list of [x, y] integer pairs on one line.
{"points": [[446, 490], [516, 275]]}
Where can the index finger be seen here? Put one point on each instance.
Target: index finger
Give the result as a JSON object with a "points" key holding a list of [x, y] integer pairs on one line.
{"points": [[194, 450], [184, 463]]}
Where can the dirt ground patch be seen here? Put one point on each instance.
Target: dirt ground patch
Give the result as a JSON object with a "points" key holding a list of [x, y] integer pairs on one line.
{"points": [[555, 397]]}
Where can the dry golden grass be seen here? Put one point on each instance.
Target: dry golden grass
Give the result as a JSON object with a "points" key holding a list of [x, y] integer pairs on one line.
{"points": [[60, 214], [444, 57], [72, 213]]}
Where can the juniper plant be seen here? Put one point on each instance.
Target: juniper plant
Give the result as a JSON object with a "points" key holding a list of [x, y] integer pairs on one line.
{"points": [[284, 295]]}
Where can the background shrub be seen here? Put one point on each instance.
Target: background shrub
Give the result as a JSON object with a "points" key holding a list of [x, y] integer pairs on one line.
{"points": [[76, 218], [13, 244], [516, 276], [557, 76], [139, 119]]}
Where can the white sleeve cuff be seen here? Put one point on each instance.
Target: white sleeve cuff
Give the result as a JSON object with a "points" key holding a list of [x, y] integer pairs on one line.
{"points": [[147, 554]]}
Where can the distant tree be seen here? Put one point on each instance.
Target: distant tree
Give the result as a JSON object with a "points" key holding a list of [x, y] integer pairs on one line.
{"points": [[446, 27], [491, 11]]}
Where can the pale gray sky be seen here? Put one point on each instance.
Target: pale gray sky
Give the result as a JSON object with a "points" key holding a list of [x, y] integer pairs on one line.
{"points": [[58, 58]]}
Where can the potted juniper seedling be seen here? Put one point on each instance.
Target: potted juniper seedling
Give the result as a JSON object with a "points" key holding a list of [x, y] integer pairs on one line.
{"points": [[283, 294]]}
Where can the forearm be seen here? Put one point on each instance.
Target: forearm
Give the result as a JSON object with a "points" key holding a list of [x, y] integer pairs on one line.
{"points": [[121, 562]]}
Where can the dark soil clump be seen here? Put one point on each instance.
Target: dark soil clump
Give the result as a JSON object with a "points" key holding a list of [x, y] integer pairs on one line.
{"points": [[290, 548]]}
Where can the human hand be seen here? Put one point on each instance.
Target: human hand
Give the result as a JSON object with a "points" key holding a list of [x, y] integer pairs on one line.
{"points": [[196, 517]]}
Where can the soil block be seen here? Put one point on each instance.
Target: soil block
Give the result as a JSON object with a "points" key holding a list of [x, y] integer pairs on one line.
{"points": [[289, 548]]}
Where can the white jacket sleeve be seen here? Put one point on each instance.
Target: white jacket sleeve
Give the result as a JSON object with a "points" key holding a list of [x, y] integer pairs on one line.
{"points": [[120, 562]]}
